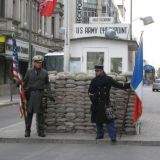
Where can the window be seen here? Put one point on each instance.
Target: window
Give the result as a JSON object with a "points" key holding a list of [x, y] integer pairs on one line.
{"points": [[16, 10], [75, 64], [2, 8], [157, 80], [45, 26], [94, 58], [116, 65], [89, 10], [53, 26], [54, 63], [103, 9], [27, 12]]}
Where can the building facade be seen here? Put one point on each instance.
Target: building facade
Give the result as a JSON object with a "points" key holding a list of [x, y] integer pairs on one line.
{"points": [[15, 17]]}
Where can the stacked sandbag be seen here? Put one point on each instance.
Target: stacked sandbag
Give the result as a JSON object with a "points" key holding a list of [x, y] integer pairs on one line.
{"points": [[129, 126], [71, 111]]}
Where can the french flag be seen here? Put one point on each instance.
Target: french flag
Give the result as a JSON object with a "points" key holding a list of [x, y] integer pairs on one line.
{"points": [[137, 83]]}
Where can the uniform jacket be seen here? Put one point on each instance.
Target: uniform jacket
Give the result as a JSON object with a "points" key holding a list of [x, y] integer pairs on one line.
{"points": [[34, 85], [99, 93]]}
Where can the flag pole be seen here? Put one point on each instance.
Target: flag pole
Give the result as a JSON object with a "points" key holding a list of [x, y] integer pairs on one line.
{"points": [[141, 37], [131, 12], [30, 35]]}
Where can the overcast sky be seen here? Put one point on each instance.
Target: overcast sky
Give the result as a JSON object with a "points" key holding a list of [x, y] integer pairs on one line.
{"points": [[151, 41]]}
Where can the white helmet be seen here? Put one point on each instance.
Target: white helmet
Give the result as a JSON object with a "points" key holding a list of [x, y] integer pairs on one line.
{"points": [[38, 58]]}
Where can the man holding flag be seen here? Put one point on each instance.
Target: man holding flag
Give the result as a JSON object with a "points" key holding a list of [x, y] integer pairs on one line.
{"points": [[36, 83], [137, 83]]}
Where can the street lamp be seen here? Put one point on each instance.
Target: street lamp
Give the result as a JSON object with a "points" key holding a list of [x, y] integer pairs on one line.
{"points": [[146, 20]]}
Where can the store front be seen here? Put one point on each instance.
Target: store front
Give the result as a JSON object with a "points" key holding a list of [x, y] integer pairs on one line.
{"points": [[6, 54]]}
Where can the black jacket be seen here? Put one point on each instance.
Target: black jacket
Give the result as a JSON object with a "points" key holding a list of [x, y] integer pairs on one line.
{"points": [[99, 93]]}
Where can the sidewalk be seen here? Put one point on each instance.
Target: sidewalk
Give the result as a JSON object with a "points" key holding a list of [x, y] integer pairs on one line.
{"points": [[149, 136], [15, 134], [7, 100]]}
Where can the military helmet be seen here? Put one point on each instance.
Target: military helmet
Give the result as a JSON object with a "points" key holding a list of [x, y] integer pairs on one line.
{"points": [[38, 58]]}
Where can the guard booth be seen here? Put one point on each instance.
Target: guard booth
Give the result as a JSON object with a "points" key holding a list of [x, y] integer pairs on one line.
{"points": [[54, 61], [149, 74]]}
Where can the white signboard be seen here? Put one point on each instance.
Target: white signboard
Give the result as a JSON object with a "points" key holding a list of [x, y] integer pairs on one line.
{"points": [[22, 48], [90, 30], [79, 9], [101, 20]]}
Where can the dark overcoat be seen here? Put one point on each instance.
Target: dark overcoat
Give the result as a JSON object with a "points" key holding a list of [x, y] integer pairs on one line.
{"points": [[35, 82], [99, 93]]}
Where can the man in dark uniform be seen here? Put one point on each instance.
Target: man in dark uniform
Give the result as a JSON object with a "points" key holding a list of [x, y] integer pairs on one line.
{"points": [[99, 92], [35, 82]]}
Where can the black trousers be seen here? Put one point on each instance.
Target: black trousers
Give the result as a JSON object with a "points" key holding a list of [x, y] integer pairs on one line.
{"points": [[39, 122]]}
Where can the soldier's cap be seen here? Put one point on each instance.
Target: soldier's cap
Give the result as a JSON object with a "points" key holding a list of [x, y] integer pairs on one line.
{"points": [[98, 67], [38, 58]]}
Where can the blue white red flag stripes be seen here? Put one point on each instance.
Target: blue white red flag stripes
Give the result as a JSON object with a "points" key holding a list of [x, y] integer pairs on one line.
{"points": [[137, 83], [16, 73], [17, 76]]}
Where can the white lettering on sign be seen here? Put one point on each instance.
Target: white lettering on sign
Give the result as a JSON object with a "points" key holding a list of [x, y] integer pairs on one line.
{"points": [[99, 20], [79, 11], [89, 30]]}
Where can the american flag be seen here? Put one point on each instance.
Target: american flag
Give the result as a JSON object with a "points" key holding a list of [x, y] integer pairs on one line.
{"points": [[18, 78]]}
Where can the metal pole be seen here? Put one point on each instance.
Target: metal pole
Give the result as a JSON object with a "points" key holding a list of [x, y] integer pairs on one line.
{"points": [[30, 35], [11, 94], [131, 20], [67, 38]]}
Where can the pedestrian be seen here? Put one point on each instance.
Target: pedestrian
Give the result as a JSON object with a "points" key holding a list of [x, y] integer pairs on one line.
{"points": [[36, 81], [99, 93]]}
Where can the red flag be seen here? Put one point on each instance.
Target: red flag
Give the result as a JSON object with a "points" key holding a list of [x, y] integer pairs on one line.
{"points": [[137, 109], [47, 7]]}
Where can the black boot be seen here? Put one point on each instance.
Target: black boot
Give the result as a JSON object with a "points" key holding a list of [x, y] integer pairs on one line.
{"points": [[40, 125], [28, 123], [100, 137], [113, 140], [27, 133], [41, 134]]}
